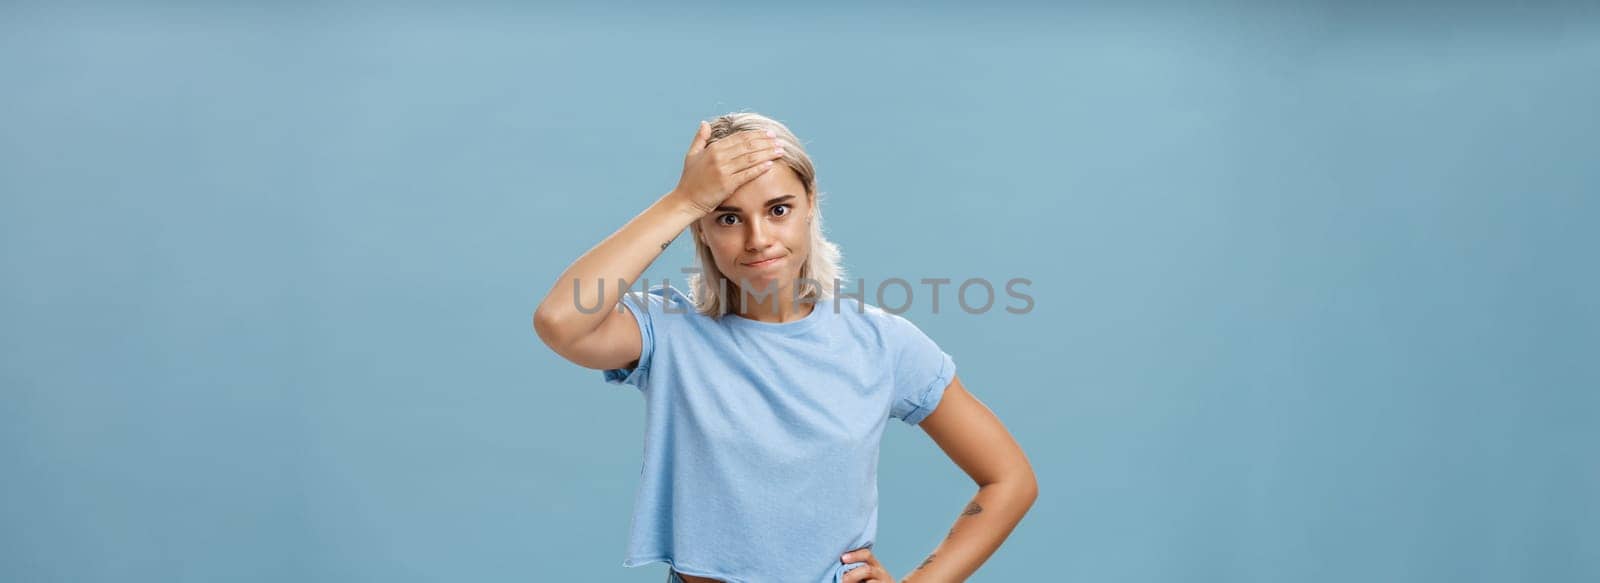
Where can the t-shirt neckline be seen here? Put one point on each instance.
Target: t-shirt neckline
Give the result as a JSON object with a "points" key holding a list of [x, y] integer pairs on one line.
{"points": [[818, 310]]}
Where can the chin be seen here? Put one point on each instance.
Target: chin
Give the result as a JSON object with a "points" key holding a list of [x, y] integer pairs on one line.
{"points": [[763, 282], [766, 282]]}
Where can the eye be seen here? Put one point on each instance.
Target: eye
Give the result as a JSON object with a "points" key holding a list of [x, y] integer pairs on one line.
{"points": [[781, 206], [722, 222]]}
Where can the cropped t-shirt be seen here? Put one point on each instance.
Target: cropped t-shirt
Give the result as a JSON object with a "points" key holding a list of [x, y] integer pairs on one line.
{"points": [[761, 439]]}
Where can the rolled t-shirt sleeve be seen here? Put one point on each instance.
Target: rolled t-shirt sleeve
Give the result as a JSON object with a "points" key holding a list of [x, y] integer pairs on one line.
{"points": [[922, 371], [645, 306]]}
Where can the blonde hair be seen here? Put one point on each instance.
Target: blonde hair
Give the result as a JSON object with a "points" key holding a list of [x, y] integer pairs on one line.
{"points": [[821, 269]]}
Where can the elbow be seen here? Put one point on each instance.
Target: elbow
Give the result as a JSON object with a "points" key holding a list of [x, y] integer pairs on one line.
{"points": [[1026, 492], [1026, 488], [547, 326], [1023, 487]]}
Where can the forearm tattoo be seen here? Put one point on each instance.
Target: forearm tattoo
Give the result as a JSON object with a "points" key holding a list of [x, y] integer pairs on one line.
{"points": [[972, 509]]}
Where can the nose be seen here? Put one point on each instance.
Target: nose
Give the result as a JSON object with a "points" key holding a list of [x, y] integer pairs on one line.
{"points": [[760, 237]]}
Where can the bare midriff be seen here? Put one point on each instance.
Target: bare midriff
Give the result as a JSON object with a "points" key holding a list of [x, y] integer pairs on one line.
{"points": [[694, 579]]}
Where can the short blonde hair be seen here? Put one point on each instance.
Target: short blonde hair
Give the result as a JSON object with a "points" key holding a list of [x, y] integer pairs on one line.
{"points": [[820, 273]]}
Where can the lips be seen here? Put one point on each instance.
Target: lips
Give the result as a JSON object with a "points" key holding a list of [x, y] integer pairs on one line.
{"points": [[764, 263]]}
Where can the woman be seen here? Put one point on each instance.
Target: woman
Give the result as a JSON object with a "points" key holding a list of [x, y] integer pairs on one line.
{"points": [[767, 391]]}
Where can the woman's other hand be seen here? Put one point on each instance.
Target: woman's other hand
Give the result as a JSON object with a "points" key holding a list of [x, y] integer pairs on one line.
{"points": [[873, 572]]}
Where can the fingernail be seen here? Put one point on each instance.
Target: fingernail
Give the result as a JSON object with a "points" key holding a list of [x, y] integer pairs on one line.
{"points": [[845, 557], [772, 134]]}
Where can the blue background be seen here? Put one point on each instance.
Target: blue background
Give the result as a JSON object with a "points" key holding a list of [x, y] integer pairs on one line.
{"points": [[1315, 282]]}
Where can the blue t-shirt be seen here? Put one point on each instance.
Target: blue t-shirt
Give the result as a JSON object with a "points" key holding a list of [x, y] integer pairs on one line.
{"points": [[761, 439]]}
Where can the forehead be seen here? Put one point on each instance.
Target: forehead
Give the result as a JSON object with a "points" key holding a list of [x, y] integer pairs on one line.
{"points": [[778, 181]]}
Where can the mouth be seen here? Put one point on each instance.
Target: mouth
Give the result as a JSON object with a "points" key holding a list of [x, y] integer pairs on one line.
{"points": [[766, 262]]}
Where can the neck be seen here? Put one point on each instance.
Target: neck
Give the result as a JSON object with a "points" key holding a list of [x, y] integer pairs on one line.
{"points": [[776, 307]]}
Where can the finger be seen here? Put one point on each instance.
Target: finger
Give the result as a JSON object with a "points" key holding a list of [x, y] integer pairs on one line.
{"points": [[753, 159], [746, 141], [857, 575], [762, 138], [765, 145], [743, 176], [700, 137], [861, 555], [740, 154]]}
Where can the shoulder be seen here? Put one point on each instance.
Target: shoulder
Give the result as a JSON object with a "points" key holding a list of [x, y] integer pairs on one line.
{"points": [[660, 296], [882, 323]]}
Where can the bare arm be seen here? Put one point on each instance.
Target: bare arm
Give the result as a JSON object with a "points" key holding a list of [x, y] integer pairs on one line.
{"points": [[977, 442], [578, 318], [622, 256]]}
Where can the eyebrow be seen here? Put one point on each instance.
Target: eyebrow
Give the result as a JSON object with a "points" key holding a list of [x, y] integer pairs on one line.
{"points": [[735, 209]]}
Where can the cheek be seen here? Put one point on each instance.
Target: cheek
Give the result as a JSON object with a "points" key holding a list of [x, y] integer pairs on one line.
{"points": [[724, 249], [713, 238], [723, 243], [800, 235]]}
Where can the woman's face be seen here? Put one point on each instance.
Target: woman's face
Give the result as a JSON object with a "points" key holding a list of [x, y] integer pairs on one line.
{"points": [[766, 219]]}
